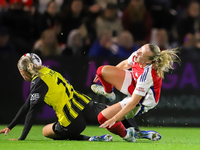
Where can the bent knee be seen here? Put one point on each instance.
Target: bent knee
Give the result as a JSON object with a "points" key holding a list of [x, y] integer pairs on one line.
{"points": [[102, 70], [44, 131], [47, 131]]}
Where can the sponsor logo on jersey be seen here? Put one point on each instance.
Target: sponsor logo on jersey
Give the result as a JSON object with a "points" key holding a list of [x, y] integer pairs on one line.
{"points": [[35, 96], [140, 89]]}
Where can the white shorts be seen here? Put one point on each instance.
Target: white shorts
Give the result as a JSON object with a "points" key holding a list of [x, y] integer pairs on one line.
{"points": [[146, 103], [126, 83]]}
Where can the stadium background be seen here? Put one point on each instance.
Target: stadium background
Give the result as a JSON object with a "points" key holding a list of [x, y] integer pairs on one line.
{"points": [[178, 106]]}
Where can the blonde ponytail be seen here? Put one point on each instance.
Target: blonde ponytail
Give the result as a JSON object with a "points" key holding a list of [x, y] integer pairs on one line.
{"points": [[163, 61]]}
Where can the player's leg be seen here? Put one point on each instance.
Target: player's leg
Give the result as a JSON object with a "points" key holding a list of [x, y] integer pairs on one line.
{"points": [[111, 75], [118, 128], [49, 133], [72, 132], [93, 109], [130, 123]]}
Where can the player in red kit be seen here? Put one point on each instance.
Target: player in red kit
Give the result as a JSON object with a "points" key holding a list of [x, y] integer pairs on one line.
{"points": [[142, 85]]}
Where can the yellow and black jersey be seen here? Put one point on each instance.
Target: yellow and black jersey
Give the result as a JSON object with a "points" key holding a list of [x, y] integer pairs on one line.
{"points": [[54, 90], [62, 97]]}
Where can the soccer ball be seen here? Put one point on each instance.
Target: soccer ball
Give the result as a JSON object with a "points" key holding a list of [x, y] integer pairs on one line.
{"points": [[35, 58]]}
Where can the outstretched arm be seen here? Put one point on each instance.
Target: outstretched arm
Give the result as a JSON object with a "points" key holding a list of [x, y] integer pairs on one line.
{"points": [[120, 115], [21, 113]]}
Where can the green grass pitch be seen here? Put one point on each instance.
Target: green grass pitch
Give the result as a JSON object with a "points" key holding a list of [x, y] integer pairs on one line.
{"points": [[172, 139]]}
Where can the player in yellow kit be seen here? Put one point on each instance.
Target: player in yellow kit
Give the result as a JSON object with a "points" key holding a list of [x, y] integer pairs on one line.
{"points": [[48, 86]]}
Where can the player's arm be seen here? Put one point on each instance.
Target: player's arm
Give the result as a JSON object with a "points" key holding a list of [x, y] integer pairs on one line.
{"points": [[124, 65], [127, 63], [140, 91], [21, 113], [120, 115], [36, 104]]}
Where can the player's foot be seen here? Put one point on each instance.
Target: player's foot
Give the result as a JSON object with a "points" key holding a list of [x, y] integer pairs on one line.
{"points": [[130, 135], [151, 135], [99, 89], [106, 138]]}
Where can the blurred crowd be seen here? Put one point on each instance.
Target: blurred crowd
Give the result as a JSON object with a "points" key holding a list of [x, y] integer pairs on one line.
{"points": [[98, 28]]}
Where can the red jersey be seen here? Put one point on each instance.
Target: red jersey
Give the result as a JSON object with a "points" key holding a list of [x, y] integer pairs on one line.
{"points": [[145, 80]]}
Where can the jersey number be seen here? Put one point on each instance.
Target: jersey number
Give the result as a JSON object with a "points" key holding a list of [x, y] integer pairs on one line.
{"points": [[66, 90], [76, 104]]}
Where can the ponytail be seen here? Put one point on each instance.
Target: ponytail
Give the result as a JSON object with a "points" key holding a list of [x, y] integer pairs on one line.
{"points": [[163, 61]]}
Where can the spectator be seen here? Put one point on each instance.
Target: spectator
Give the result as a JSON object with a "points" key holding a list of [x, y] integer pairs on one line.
{"points": [[3, 5], [49, 18], [190, 41], [75, 45], [18, 22], [43, 5], [47, 45], [90, 5], [189, 23], [160, 37], [103, 4], [103, 46], [161, 12], [6, 47], [190, 48], [72, 16], [109, 21], [138, 21], [126, 45], [32, 8]]}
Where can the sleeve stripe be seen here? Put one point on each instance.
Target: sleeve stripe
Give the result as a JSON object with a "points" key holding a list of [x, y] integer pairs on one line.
{"points": [[144, 75]]}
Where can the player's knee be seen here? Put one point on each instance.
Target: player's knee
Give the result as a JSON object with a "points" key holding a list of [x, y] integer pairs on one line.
{"points": [[103, 71], [101, 118], [99, 70], [44, 131]]}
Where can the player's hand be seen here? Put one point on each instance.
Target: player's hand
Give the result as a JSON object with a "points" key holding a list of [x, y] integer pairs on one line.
{"points": [[96, 79], [109, 123], [5, 130]]}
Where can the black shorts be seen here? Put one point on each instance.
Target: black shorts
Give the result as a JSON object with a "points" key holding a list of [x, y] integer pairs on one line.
{"points": [[87, 116], [72, 130]]}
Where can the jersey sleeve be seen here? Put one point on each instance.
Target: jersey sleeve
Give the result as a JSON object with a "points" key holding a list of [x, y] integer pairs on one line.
{"points": [[131, 57], [21, 113], [144, 82], [36, 99]]}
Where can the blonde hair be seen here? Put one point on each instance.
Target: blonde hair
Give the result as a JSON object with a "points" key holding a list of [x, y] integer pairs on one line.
{"points": [[26, 64], [163, 60]]}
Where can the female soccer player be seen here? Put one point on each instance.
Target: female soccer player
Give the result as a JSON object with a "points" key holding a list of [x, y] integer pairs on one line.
{"points": [[142, 85], [73, 109], [48, 86]]}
